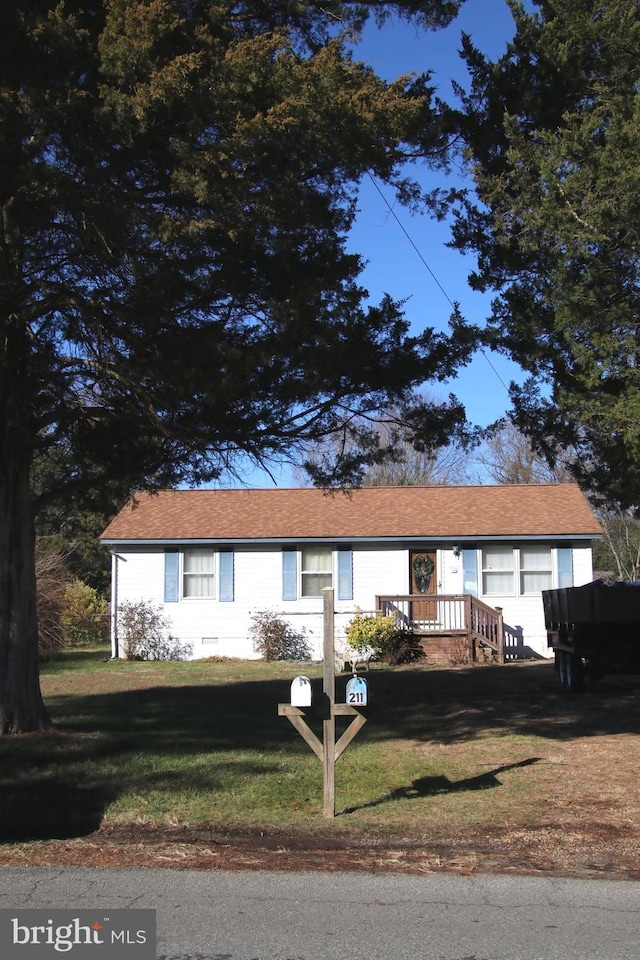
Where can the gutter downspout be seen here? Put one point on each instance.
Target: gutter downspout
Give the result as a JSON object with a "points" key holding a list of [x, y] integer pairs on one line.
{"points": [[115, 645]]}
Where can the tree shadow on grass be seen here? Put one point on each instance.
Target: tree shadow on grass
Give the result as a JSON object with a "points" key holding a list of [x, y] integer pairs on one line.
{"points": [[59, 785], [430, 786], [451, 706], [44, 808], [180, 719], [57, 806], [445, 706]]}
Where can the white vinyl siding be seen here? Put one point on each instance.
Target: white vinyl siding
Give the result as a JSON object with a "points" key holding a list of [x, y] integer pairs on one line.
{"points": [[255, 571]]}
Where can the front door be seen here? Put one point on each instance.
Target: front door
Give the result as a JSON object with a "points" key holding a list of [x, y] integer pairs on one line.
{"points": [[423, 581]]}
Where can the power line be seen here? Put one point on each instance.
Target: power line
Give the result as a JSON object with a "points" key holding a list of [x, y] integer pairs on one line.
{"points": [[410, 239], [430, 271]]}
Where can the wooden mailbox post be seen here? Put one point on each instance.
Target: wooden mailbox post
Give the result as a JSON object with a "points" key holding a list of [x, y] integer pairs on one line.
{"points": [[327, 750]]}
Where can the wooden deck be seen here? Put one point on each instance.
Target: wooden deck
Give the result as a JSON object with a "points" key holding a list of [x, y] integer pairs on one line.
{"points": [[479, 626]]}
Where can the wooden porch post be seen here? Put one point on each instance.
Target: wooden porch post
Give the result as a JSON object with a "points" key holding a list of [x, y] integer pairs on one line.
{"points": [[500, 635], [468, 625]]}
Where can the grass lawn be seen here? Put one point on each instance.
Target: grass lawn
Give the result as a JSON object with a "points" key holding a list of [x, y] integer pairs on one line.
{"points": [[447, 756]]}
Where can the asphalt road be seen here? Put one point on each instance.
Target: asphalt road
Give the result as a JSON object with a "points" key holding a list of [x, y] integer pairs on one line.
{"points": [[221, 915]]}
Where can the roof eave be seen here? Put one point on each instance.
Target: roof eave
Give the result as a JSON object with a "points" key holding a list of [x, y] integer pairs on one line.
{"points": [[400, 539]]}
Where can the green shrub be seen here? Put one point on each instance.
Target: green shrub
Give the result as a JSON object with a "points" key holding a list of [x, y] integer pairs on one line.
{"points": [[85, 615], [275, 639], [381, 634], [144, 634]]}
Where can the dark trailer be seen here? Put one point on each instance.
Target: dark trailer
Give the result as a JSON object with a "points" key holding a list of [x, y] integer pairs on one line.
{"points": [[594, 630]]}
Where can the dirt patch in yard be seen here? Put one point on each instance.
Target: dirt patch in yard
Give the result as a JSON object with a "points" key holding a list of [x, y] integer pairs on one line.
{"points": [[589, 826], [556, 848]]}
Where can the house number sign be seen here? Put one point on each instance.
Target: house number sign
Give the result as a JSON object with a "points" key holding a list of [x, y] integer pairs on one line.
{"points": [[357, 692]]}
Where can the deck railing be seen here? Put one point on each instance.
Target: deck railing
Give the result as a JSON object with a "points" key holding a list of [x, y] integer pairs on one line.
{"points": [[448, 615]]}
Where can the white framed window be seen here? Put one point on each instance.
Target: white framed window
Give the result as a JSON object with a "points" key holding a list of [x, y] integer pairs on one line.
{"points": [[498, 570], [536, 568], [198, 572], [316, 570], [516, 571], [306, 572]]}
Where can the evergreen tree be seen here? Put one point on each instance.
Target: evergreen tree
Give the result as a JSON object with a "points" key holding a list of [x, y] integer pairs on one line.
{"points": [[177, 179], [553, 138]]}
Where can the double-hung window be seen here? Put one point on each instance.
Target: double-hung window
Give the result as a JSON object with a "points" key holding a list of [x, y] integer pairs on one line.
{"points": [[498, 570], [316, 570], [536, 568], [310, 570], [198, 572]]}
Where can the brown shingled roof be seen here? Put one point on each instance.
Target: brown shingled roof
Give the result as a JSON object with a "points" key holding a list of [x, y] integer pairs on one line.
{"points": [[372, 512]]}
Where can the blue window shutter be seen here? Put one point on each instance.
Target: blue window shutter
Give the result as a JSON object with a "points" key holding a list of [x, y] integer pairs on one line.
{"points": [[345, 574], [289, 574], [171, 570], [565, 566], [470, 572], [225, 572]]}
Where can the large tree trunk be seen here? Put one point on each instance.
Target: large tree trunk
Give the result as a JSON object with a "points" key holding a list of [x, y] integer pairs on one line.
{"points": [[21, 707]]}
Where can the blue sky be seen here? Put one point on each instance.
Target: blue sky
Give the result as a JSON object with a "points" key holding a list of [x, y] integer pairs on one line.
{"points": [[394, 264]]}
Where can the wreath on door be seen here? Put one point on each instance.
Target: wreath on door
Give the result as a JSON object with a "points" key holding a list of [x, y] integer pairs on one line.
{"points": [[423, 567]]}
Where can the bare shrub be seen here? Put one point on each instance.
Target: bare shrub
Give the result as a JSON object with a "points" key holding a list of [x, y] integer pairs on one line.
{"points": [[460, 652], [51, 582], [144, 633], [275, 639]]}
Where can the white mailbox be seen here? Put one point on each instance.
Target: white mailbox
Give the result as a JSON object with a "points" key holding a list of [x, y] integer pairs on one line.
{"points": [[301, 692], [357, 692]]}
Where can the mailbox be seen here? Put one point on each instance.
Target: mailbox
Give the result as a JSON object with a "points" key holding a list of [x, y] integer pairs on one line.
{"points": [[357, 692], [301, 692]]}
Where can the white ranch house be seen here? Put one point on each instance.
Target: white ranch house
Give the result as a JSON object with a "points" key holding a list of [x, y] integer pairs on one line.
{"points": [[447, 561]]}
